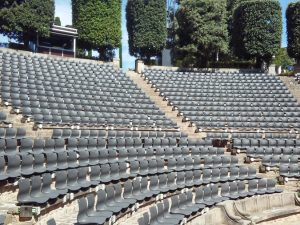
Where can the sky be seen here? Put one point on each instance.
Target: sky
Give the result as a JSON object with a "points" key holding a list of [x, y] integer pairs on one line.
{"points": [[64, 11]]}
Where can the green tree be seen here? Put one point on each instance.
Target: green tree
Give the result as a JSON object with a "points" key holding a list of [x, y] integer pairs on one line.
{"points": [[99, 25], [257, 30], [231, 5], [57, 21], [293, 30], [201, 31], [21, 19], [282, 59], [146, 26]]}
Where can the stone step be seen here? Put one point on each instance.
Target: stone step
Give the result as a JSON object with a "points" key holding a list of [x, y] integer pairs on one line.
{"points": [[163, 105]]}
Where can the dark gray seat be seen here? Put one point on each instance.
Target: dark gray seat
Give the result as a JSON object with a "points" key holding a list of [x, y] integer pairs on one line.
{"points": [[84, 218]]}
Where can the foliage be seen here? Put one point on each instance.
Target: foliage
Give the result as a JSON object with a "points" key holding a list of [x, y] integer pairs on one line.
{"points": [[99, 25], [293, 29], [232, 64], [257, 30], [288, 74], [201, 31], [282, 59], [57, 21], [231, 5], [21, 19], [146, 25]]}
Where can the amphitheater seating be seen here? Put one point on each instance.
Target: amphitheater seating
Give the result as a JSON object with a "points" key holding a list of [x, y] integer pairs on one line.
{"points": [[289, 171], [277, 160], [183, 206], [113, 150], [54, 92], [73, 177], [68, 133], [244, 143], [72, 180], [228, 101]]}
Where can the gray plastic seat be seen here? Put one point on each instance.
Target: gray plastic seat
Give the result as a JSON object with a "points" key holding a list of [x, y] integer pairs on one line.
{"points": [[24, 191], [105, 173], [49, 145], [84, 218], [11, 147], [35, 192], [21, 133], [46, 187], [27, 165], [252, 187], [10, 133], [13, 169], [233, 193], [57, 133], [242, 189], [39, 163], [66, 133]]}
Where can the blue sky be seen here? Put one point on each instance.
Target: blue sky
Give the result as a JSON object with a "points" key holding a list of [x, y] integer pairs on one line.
{"points": [[64, 11]]}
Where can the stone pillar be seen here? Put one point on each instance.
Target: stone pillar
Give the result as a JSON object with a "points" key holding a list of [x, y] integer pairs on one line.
{"points": [[279, 70], [116, 62], [297, 67], [272, 69], [139, 66], [74, 46]]}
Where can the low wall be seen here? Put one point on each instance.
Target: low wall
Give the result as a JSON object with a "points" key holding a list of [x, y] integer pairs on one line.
{"points": [[221, 70], [57, 57]]}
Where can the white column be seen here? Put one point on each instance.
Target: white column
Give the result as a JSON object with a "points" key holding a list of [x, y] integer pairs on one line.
{"points": [[74, 46]]}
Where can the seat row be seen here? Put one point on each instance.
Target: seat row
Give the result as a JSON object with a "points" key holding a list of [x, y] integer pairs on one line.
{"points": [[246, 143], [52, 95], [289, 171], [251, 135], [187, 204], [271, 162], [68, 133], [35, 146], [260, 152], [225, 95], [15, 166], [12, 133], [42, 189]]}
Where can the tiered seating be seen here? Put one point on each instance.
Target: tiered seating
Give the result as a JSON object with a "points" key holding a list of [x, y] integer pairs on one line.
{"points": [[289, 171], [67, 133], [132, 169], [114, 151], [108, 163], [183, 206], [54, 92], [214, 101], [12, 133]]}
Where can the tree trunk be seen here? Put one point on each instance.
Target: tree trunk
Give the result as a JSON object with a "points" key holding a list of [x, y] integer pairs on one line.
{"points": [[90, 53], [262, 64], [26, 40], [297, 66], [102, 54]]}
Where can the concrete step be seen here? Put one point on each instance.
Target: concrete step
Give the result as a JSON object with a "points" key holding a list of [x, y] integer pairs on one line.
{"points": [[163, 105], [15, 119]]}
